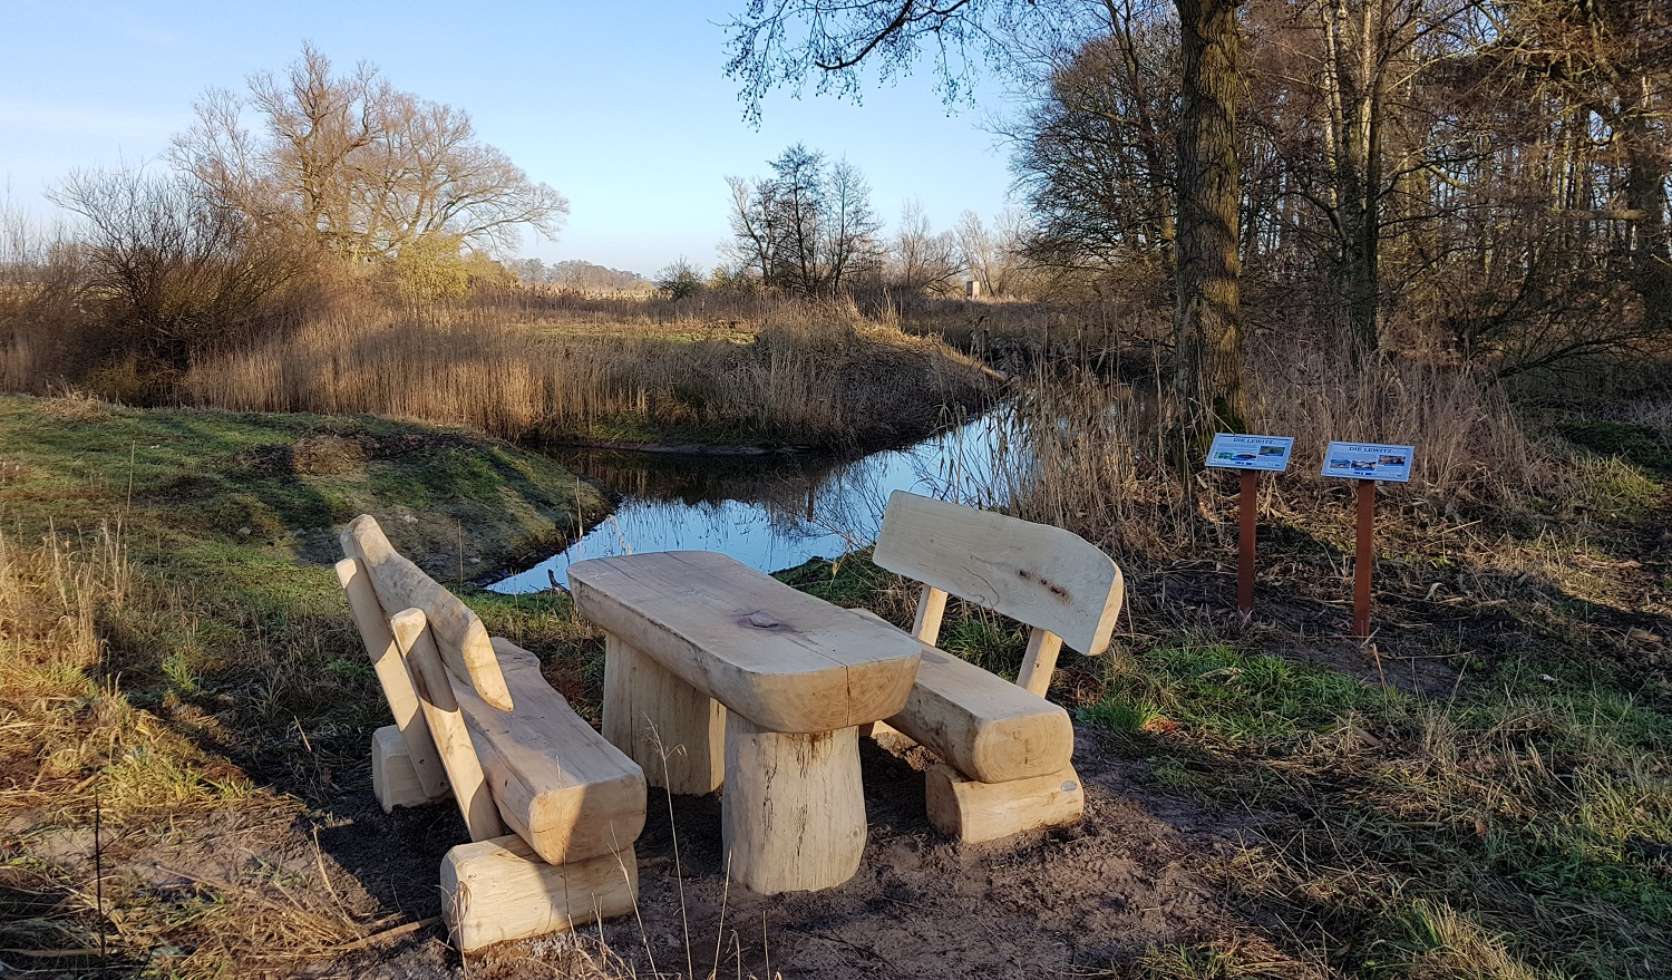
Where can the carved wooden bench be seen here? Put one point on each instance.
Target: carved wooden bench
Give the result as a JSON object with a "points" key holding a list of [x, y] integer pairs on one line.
{"points": [[552, 807], [1006, 749]]}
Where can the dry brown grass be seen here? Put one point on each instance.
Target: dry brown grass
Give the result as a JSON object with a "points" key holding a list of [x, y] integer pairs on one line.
{"points": [[820, 375], [1095, 454]]}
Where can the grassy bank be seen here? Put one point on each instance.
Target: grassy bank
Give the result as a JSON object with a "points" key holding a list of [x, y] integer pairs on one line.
{"points": [[175, 657]]}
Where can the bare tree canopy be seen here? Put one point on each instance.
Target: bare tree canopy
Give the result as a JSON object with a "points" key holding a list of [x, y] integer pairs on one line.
{"points": [[359, 165], [809, 228]]}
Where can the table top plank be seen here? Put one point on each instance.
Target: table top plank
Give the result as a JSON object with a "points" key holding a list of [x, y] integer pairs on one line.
{"points": [[785, 660]]}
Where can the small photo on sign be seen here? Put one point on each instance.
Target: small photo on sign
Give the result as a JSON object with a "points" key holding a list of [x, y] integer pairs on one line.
{"points": [[1239, 452], [1369, 461]]}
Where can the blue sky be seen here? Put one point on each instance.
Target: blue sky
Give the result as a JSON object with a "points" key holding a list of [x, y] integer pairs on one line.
{"points": [[623, 107]]}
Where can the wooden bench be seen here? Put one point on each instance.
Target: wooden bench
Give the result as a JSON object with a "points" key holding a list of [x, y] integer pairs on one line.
{"points": [[1006, 749], [717, 673], [551, 806]]}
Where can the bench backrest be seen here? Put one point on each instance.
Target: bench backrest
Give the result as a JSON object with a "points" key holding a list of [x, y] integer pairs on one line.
{"points": [[1044, 577], [459, 635]]}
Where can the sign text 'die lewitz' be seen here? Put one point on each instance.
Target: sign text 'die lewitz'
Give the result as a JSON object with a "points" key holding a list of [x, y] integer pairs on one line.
{"points": [[1268, 454], [1369, 461]]}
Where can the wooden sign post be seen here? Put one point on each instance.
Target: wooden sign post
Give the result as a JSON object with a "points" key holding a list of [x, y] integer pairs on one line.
{"points": [[1251, 455], [1248, 498], [1366, 463], [1364, 557]]}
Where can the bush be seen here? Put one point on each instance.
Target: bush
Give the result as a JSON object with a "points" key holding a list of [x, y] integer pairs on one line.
{"points": [[679, 280]]}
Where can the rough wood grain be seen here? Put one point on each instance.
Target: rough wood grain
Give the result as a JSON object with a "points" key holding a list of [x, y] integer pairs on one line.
{"points": [[498, 890], [786, 660], [558, 783], [1041, 575], [974, 811], [459, 633], [987, 727], [931, 609], [793, 814], [674, 731], [394, 782], [441, 710], [1039, 662], [392, 676]]}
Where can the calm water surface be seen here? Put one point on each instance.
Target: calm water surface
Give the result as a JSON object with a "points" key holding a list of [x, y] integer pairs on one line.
{"points": [[769, 513]]}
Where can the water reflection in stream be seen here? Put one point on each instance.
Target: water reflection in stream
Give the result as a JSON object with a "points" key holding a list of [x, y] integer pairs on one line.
{"points": [[769, 513]]}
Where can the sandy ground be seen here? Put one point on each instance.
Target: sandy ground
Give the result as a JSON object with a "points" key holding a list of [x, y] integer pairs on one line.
{"points": [[1070, 902]]}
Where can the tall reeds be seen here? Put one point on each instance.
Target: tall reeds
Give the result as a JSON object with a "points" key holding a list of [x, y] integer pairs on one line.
{"points": [[812, 374]]}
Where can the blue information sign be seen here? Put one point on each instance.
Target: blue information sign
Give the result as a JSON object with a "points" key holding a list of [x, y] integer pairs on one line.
{"points": [[1269, 454], [1369, 461]]}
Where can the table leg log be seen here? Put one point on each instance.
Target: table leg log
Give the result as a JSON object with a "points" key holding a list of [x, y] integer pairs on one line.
{"points": [[497, 890], [973, 811], [673, 731], [793, 813]]}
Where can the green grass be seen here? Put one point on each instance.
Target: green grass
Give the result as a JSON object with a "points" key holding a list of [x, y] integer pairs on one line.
{"points": [[1529, 816], [230, 521]]}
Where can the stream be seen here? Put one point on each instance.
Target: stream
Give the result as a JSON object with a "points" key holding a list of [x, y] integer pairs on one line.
{"points": [[769, 512]]}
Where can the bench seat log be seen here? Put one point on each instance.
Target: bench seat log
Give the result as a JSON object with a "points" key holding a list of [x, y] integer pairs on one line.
{"points": [[557, 783], [985, 726], [793, 814], [675, 732], [460, 636], [784, 659], [392, 676], [973, 811], [394, 781], [497, 890]]}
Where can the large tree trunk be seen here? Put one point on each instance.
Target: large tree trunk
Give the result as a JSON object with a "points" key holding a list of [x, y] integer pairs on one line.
{"points": [[1208, 320], [1651, 247]]}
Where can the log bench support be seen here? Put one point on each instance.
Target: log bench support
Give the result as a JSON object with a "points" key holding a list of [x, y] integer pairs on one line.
{"points": [[675, 732], [499, 889], [793, 814], [394, 780], [973, 811]]}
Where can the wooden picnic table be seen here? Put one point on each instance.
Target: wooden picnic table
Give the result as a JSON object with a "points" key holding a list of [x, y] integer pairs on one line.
{"points": [[717, 674]]}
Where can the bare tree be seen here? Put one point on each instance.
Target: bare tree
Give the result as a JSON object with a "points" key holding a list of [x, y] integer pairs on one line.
{"points": [[1094, 145], [359, 166], [809, 228], [922, 260], [753, 223], [182, 272], [851, 229], [993, 256]]}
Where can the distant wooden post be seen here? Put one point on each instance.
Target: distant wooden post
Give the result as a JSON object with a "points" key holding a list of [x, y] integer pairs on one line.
{"points": [[1246, 505], [1364, 558]]}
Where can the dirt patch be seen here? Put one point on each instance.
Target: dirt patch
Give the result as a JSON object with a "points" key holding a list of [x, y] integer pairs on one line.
{"points": [[1137, 872]]}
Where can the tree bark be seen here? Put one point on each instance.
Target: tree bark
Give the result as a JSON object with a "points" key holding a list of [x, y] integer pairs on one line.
{"points": [[1207, 322], [1651, 247]]}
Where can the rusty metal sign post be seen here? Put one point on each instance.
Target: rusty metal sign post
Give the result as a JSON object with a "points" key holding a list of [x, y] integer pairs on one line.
{"points": [[1366, 463], [1252, 455]]}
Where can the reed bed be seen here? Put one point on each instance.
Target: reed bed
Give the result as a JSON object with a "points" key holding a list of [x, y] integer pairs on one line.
{"points": [[1098, 454], [810, 375]]}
